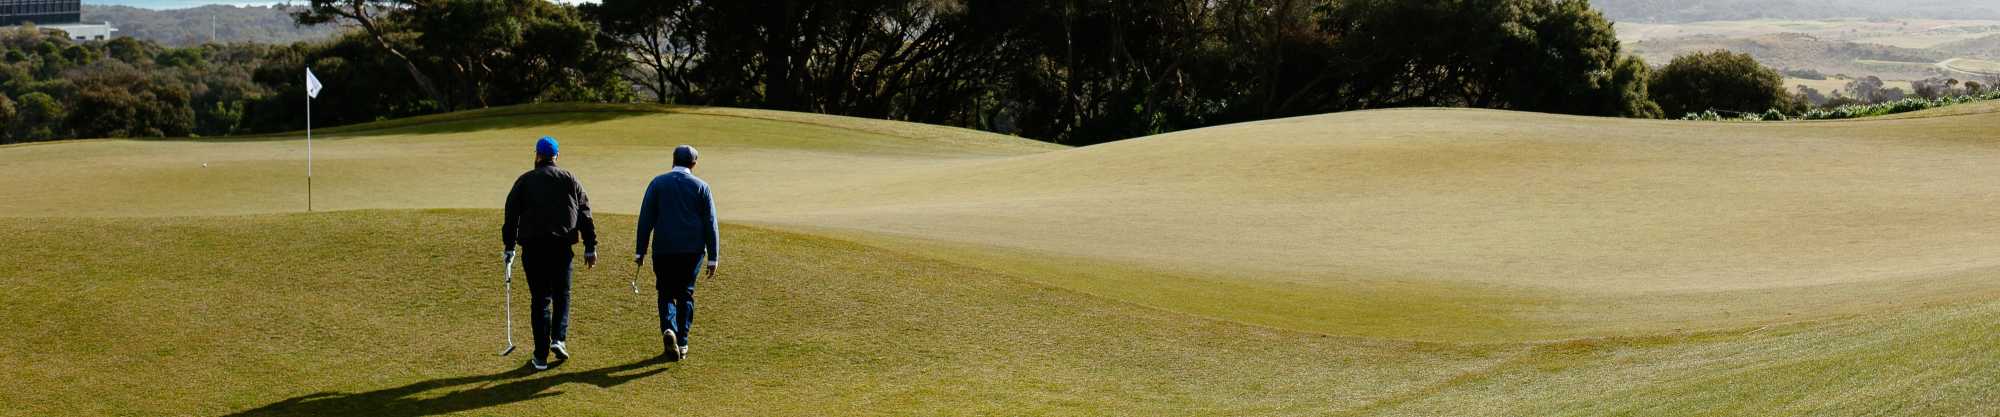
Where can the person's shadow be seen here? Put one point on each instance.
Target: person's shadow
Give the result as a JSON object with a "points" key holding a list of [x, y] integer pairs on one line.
{"points": [[396, 401]]}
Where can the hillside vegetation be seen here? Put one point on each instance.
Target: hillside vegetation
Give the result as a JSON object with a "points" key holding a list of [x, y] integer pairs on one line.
{"points": [[1398, 262], [216, 24], [1800, 51], [1714, 10]]}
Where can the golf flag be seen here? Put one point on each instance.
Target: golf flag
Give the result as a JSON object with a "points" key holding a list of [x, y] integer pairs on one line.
{"points": [[312, 92], [312, 84]]}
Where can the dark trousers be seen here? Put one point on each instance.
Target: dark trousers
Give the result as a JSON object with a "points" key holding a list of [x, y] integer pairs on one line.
{"points": [[673, 276], [548, 269]]}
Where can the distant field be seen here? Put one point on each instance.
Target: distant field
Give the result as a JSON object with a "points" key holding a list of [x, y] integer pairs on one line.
{"points": [[1914, 33], [1393, 262], [1830, 85], [1890, 49], [1972, 66], [1894, 63]]}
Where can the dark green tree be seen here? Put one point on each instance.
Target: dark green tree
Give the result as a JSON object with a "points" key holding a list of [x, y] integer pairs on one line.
{"points": [[1718, 80], [40, 117], [123, 103], [379, 21], [7, 115], [1535, 55], [479, 53], [661, 41]]}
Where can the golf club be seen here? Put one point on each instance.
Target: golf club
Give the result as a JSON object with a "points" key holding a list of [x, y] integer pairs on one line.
{"points": [[510, 308], [636, 271]]}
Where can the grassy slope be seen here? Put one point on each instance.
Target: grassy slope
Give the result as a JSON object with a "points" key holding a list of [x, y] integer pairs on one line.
{"points": [[1497, 228], [395, 313], [1494, 226], [458, 160]]}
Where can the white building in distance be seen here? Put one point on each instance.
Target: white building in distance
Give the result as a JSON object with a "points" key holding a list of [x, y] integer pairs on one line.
{"points": [[54, 15]]}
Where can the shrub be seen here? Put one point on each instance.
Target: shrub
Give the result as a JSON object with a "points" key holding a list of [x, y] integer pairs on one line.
{"points": [[1892, 107], [1717, 80], [1774, 115]]}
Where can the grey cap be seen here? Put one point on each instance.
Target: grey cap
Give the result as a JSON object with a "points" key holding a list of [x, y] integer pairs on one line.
{"points": [[685, 155]]}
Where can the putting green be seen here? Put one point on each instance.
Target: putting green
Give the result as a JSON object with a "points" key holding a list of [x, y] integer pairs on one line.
{"points": [[1405, 262]]}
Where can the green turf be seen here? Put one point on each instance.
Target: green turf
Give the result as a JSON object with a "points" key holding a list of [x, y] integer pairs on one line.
{"points": [[397, 313], [1407, 262]]}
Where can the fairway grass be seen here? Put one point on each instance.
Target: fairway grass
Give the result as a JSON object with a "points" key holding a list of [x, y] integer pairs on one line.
{"points": [[396, 313], [1494, 227], [1395, 262]]}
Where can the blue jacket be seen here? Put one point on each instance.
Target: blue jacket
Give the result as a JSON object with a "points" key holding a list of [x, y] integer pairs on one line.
{"points": [[679, 213]]}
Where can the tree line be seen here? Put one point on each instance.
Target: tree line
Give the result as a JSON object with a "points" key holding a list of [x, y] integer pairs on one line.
{"points": [[1088, 71], [53, 88], [1068, 71]]}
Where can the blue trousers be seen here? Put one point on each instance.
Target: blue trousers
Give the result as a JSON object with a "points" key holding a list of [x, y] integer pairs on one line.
{"points": [[674, 275], [549, 270]]}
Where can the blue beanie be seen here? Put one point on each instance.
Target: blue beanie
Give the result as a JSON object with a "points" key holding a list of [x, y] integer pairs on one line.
{"points": [[685, 155], [546, 146]]}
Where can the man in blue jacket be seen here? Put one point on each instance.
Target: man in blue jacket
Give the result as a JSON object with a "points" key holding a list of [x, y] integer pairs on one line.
{"points": [[679, 214], [546, 212]]}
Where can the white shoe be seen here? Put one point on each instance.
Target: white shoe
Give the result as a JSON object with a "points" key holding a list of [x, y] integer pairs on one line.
{"points": [[537, 364], [684, 351], [673, 345], [561, 350]]}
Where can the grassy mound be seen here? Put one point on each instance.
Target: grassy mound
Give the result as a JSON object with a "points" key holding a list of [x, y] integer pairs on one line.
{"points": [[1456, 225], [458, 160]]}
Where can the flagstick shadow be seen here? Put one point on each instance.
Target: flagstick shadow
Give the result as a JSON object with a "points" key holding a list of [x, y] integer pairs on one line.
{"points": [[395, 402]]}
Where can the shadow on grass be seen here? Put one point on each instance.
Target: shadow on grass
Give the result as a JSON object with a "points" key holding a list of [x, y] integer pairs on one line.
{"points": [[398, 401]]}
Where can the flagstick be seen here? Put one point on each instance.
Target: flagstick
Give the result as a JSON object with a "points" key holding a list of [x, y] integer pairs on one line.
{"points": [[309, 153]]}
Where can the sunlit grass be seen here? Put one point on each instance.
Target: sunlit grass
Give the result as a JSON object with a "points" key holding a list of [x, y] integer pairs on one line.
{"points": [[1406, 262]]}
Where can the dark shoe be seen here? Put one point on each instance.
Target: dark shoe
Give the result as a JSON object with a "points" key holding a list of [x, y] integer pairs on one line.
{"points": [[538, 364], [561, 350], [673, 353]]}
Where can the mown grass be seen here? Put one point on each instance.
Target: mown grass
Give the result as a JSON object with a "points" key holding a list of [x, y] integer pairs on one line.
{"points": [[1408, 262], [397, 313], [1509, 226], [1493, 227]]}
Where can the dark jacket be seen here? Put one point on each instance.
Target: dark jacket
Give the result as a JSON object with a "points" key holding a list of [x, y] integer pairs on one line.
{"points": [[678, 213], [548, 206]]}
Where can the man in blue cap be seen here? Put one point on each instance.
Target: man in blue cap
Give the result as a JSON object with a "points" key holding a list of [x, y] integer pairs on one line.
{"points": [[546, 212], [679, 215]]}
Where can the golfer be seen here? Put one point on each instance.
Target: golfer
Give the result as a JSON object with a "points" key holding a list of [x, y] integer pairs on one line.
{"points": [[679, 215], [546, 212]]}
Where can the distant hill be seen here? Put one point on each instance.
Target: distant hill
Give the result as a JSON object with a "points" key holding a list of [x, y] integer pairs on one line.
{"points": [[1983, 47], [1799, 51], [1673, 11], [207, 24]]}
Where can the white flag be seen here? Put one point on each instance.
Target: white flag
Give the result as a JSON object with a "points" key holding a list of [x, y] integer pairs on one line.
{"points": [[312, 84]]}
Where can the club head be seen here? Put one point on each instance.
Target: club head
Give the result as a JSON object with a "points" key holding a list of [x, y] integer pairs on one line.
{"points": [[510, 349]]}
